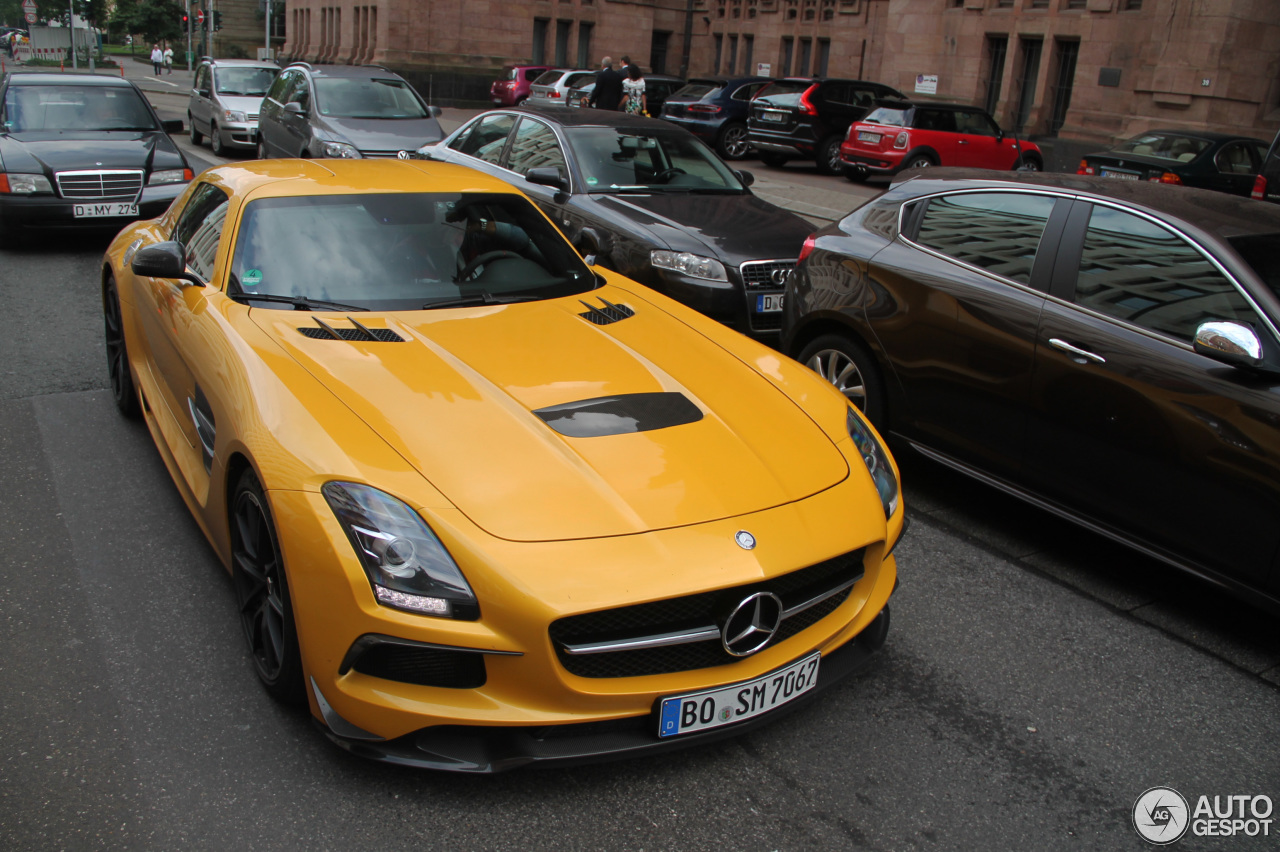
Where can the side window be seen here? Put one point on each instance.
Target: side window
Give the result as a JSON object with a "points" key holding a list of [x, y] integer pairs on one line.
{"points": [[487, 139], [975, 124], [997, 231], [1135, 270], [199, 228], [936, 119], [837, 93], [202, 78], [299, 90], [531, 74], [534, 146], [1234, 159], [280, 86], [864, 98]]}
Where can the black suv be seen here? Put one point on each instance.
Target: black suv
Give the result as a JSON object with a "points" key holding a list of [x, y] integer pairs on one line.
{"points": [[808, 118]]}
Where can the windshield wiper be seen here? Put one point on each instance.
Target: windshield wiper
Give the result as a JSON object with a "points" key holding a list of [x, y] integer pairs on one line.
{"points": [[482, 298], [300, 303]]}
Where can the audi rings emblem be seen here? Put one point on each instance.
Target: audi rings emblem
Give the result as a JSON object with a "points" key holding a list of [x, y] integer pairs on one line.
{"points": [[780, 276], [752, 624], [745, 540]]}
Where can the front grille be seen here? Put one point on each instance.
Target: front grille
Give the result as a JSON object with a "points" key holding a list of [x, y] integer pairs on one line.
{"points": [[380, 155], [116, 185], [706, 609], [766, 322], [253, 116], [759, 274], [418, 664]]}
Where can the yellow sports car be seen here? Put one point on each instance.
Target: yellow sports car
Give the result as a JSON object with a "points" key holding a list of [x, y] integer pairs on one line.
{"points": [[482, 503]]}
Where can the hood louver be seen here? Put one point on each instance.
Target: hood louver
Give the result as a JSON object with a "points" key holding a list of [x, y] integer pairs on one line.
{"points": [[606, 315], [324, 331], [620, 415]]}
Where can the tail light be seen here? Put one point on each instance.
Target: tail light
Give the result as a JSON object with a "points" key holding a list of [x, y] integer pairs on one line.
{"points": [[1259, 188], [1167, 177], [902, 140], [702, 109], [554, 93], [806, 249], [805, 103], [1084, 168]]}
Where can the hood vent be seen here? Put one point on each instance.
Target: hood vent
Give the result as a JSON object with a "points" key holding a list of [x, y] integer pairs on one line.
{"points": [[324, 331], [607, 315], [620, 415]]}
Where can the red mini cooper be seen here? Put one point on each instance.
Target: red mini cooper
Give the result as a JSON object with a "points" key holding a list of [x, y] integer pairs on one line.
{"points": [[902, 135]]}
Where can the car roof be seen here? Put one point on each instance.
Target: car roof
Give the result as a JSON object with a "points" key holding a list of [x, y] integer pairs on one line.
{"points": [[594, 118], [1213, 212], [344, 70], [1210, 135], [36, 78], [249, 63], [292, 177], [898, 103]]}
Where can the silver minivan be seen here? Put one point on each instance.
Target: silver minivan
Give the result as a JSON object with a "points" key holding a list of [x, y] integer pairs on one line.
{"points": [[225, 99]]}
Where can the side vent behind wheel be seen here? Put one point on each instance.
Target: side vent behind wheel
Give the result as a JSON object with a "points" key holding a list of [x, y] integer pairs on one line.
{"points": [[608, 314]]}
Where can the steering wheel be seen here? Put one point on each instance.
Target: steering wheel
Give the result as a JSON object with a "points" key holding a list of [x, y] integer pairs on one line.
{"points": [[667, 174], [480, 260]]}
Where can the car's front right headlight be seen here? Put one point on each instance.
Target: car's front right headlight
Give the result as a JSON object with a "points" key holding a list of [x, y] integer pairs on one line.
{"points": [[876, 458], [22, 184], [340, 150], [233, 115], [409, 567], [687, 263]]}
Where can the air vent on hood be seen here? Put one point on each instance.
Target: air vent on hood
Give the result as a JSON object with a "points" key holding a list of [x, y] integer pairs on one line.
{"points": [[324, 331], [610, 313], [620, 415]]}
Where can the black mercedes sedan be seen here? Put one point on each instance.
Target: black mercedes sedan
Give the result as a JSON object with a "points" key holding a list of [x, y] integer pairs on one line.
{"points": [[80, 150], [647, 199], [1106, 350]]}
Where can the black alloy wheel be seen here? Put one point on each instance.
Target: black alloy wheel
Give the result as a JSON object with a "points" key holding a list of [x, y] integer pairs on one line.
{"points": [[1029, 163], [732, 143], [262, 593], [215, 141], [196, 136], [848, 367], [123, 392], [828, 158]]}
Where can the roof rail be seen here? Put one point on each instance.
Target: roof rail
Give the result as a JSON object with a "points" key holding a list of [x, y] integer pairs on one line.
{"points": [[372, 65], [306, 65]]}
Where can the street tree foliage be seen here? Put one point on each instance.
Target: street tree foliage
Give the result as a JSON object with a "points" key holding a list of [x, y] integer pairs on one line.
{"points": [[154, 20], [96, 12]]}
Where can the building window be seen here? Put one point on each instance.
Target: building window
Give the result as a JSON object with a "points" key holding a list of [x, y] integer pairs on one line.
{"points": [[1038, 4], [584, 43], [806, 50], [658, 51], [1076, 5], [733, 54], [540, 41], [562, 42], [824, 56], [748, 48], [1132, 6], [784, 57], [997, 47], [719, 40]]}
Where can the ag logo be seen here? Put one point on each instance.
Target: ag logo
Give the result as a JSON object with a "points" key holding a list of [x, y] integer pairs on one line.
{"points": [[1161, 816]]}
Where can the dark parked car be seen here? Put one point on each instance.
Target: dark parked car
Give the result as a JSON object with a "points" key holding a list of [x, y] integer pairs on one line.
{"points": [[647, 199], [78, 150], [808, 119], [899, 135], [657, 88], [349, 111], [1183, 157], [1266, 186], [514, 84], [1106, 350], [715, 110]]}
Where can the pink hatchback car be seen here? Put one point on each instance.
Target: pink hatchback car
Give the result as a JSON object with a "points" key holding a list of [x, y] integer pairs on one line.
{"points": [[513, 86]]}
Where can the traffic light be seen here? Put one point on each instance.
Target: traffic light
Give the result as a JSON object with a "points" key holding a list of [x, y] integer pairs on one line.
{"points": [[217, 20], [184, 22]]}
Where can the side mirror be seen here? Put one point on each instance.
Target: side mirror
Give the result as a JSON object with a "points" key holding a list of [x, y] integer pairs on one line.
{"points": [[588, 245], [295, 108], [551, 176], [434, 111], [173, 125], [745, 176], [1229, 342], [163, 260]]}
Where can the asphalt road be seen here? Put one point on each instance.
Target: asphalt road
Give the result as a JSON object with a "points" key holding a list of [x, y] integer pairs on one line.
{"points": [[1036, 680]]}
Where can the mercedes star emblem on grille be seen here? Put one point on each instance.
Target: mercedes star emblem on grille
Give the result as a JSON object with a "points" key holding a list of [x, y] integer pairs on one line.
{"points": [[752, 624], [745, 540]]}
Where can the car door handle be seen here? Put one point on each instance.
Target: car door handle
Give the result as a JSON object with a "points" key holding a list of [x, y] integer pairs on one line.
{"points": [[1085, 354]]}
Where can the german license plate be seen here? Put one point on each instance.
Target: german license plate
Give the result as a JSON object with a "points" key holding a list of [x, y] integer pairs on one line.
{"points": [[698, 711], [768, 303], [497, 101], [111, 208], [864, 136], [1121, 175], [773, 115]]}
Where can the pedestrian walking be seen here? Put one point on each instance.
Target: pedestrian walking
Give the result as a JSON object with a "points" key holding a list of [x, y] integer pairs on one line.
{"points": [[168, 59], [607, 93], [157, 58], [633, 91]]}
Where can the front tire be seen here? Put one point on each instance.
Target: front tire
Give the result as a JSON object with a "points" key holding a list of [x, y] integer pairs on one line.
{"points": [[262, 594], [850, 369], [828, 158], [262, 150], [1029, 163], [123, 393], [732, 144], [215, 141], [196, 136]]}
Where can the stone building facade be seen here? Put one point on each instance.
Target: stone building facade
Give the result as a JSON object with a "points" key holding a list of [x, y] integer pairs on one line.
{"points": [[1093, 70]]}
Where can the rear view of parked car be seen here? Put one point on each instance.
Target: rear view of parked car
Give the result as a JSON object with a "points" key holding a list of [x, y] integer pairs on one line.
{"points": [[552, 88], [901, 135], [657, 88], [715, 110], [1266, 185], [225, 100], [513, 86], [1207, 160]]}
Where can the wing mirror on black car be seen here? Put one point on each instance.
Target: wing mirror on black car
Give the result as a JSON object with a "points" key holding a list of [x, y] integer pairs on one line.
{"points": [[1229, 342], [434, 111], [744, 176], [163, 260], [550, 176]]}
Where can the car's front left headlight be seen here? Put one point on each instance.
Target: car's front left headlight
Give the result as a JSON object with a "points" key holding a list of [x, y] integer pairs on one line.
{"points": [[340, 150], [686, 263], [169, 176], [409, 567], [232, 115], [876, 458], [20, 184]]}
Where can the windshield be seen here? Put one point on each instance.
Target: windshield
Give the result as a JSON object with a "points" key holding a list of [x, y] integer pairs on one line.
{"points": [[1166, 146], [617, 159], [245, 81], [36, 108], [402, 251], [369, 97]]}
